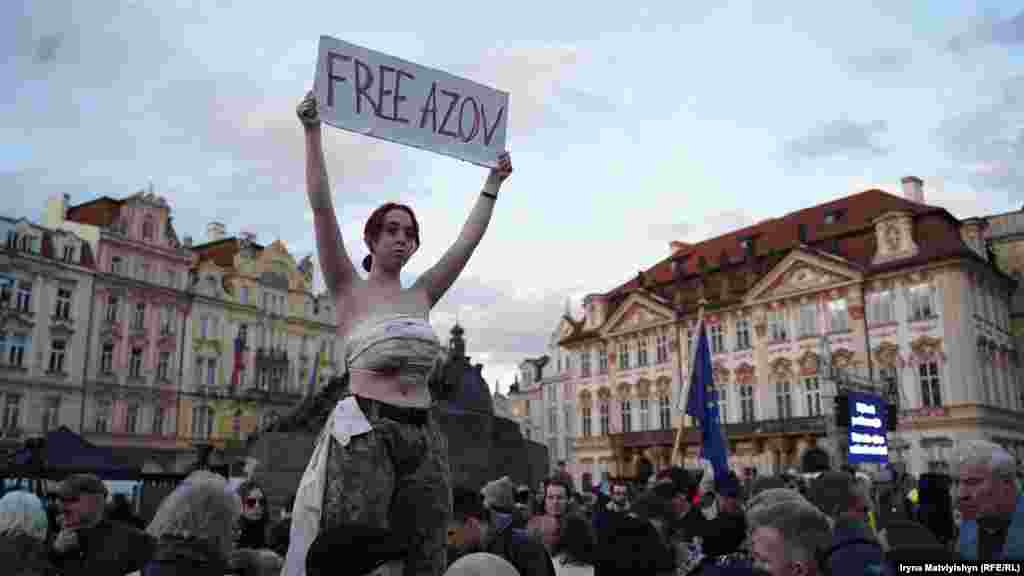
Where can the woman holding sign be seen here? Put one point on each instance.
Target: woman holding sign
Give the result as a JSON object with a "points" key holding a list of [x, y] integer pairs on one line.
{"points": [[381, 459]]}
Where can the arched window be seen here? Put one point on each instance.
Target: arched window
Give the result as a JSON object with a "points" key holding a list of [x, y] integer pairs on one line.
{"points": [[147, 229]]}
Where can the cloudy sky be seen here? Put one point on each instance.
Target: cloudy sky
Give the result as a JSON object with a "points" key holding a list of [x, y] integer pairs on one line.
{"points": [[629, 126]]}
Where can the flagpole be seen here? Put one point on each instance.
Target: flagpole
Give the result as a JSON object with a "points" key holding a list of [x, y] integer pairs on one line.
{"points": [[685, 382]]}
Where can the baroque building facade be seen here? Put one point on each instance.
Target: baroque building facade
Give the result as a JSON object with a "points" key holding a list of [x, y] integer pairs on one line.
{"points": [[46, 284], [257, 298], [873, 290], [140, 306]]}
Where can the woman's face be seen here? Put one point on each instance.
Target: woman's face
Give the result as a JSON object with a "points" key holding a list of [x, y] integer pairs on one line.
{"points": [[396, 242], [252, 505]]}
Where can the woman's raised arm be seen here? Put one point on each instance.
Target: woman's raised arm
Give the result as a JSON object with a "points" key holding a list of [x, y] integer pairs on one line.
{"points": [[337, 268], [439, 278]]}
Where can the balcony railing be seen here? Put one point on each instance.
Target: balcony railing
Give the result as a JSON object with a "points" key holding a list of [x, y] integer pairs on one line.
{"points": [[800, 425]]}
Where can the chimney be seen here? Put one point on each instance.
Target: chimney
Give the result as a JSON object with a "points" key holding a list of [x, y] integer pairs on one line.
{"points": [[57, 210], [214, 231], [913, 189]]}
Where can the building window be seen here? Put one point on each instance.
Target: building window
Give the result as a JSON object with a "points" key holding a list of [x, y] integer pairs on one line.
{"points": [[881, 307], [922, 305], [808, 320], [142, 272], [553, 449], [69, 254], [723, 403], [567, 413], [746, 403], [115, 265], [158, 421], [743, 334], [107, 358], [12, 411], [553, 420], [568, 364], [664, 413], [24, 303], [586, 421], [931, 393], [139, 320], [166, 315], [58, 351], [641, 352], [162, 365], [102, 422], [645, 415], [585, 363], [204, 326], [131, 418], [16, 351], [890, 375], [778, 331], [603, 415], [243, 295], [812, 388], [717, 339], [661, 348], [624, 356], [689, 341], [5, 292], [211, 372], [113, 303], [783, 399], [202, 422], [602, 360], [51, 413], [627, 415], [838, 316], [147, 229], [135, 365], [63, 310]]}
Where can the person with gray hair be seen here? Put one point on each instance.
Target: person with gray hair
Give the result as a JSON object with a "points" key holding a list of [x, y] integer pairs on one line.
{"points": [[194, 528], [787, 538], [992, 528], [23, 527]]}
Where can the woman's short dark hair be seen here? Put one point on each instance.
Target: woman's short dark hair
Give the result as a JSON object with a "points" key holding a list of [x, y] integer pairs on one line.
{"points": [[374, 225]]}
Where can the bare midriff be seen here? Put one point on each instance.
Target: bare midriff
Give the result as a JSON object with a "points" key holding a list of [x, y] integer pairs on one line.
{"points": [[388, 387]]}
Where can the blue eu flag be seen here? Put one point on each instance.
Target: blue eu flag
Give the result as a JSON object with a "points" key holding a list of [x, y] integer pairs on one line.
{"points": [[702, 404]]}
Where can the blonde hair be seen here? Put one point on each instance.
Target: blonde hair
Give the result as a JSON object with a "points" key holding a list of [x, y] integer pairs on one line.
{"points": [[23, 513], [201, 507]]}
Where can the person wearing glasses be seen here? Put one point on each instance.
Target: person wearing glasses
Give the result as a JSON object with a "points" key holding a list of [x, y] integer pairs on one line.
{"points": [[254, 522], [88, 543]]}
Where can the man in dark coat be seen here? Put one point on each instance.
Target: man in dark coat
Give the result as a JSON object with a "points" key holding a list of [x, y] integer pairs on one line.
{"points": [[89, 544]]}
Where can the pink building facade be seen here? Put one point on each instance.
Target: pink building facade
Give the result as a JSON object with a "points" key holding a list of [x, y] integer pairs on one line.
{"points": [[137, 328]]}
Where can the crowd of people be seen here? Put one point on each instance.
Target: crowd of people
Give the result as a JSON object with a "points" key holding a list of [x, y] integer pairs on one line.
{"points": [[830, 522]]}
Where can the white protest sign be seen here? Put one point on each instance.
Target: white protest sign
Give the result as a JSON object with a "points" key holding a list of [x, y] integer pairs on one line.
{"points": [[371, 93]]}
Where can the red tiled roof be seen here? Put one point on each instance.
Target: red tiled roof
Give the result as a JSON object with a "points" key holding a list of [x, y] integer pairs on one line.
{"points": [[222, 252], [852, 238], [101, 212]]}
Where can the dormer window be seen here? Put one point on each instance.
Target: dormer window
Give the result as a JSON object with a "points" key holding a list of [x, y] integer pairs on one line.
{"points": [[833, 216], [147, 229], [12, 239], [745, 244]]}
